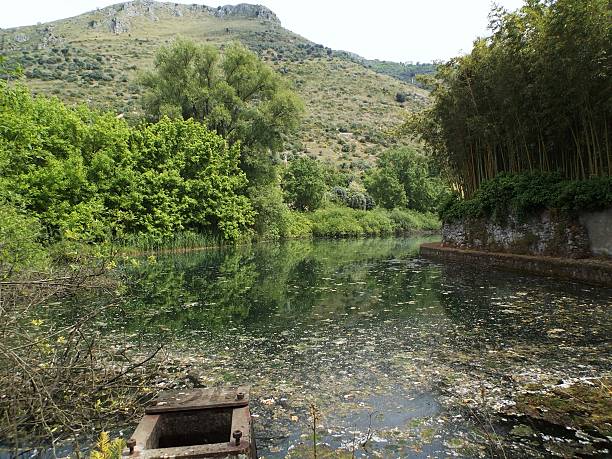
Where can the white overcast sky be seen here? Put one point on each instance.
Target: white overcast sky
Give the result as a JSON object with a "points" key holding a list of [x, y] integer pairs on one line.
{"points": [[399, 30]]}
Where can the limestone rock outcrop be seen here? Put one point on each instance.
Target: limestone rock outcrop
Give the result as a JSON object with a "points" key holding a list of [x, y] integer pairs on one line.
{"points": [[117, 18]]}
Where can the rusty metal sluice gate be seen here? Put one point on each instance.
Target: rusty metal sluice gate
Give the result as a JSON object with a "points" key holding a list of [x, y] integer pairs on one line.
{"points": [[196, 423]]}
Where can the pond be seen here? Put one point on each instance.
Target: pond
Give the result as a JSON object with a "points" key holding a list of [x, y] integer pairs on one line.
{"points": [[389, 354]]}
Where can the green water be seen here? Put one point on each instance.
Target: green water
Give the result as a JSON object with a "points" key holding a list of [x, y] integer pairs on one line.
{"points": [[389, 347]]}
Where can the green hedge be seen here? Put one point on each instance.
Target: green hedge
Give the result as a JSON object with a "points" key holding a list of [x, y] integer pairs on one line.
{"points": [[522, 194]]}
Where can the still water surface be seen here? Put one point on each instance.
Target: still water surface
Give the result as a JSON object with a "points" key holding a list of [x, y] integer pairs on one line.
{"points": [[387, 346]]}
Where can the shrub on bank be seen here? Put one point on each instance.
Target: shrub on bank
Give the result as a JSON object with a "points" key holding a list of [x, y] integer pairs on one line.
{"points": [[20, 241], [521, 194], [346, 222], [375, 223], [182, 240], [272, 213], [335, 222], [297, 225], [405, 220]]}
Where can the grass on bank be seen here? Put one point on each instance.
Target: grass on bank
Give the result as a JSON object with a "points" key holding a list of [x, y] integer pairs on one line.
{"points": [[21, 247], [183, 240], [25, 247], [328, 222]]}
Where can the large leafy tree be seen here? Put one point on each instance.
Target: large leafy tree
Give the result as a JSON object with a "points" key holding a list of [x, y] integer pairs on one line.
{"points": [[384, 186], [304, 184], [403, 178], [233, 93]]}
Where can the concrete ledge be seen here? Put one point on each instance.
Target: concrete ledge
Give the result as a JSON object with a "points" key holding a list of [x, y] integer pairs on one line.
{"points": [[590, 271]]}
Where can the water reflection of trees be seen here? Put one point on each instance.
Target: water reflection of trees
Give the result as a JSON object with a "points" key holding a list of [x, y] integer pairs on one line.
{"points": [[180, 293], [242, 286]]}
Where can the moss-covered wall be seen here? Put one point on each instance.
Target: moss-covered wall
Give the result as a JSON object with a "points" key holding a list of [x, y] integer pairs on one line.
{"points": [[548, 233]]}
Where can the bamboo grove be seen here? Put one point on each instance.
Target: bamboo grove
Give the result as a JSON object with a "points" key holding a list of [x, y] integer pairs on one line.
{"points": [[535, 95]]}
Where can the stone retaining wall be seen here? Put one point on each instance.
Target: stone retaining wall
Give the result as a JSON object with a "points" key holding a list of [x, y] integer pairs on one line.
{"points": [[548, 233]]}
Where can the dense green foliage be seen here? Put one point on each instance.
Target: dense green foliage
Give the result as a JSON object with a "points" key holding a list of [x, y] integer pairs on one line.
{"points": [[88, 176], [234, 93], [242, 99], [304, 184], [346, 222], [402, 185], [343, 222], [19, 241], [535, 95], [403, 178], [524, 193], [75, 176]]}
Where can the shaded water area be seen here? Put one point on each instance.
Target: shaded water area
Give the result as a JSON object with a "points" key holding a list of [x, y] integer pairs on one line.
{"points": [[398, 355]]}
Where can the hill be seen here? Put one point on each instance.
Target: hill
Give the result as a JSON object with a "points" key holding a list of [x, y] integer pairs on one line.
{"points": [[95, 58]]}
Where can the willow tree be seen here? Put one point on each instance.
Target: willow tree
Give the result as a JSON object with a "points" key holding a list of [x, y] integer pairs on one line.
{"points": [[233, 93], [534, 95]]}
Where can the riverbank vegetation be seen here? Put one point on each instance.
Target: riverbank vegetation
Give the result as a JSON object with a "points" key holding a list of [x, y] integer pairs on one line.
{"points": [[532, 96], [522, 194], [74, 175]]}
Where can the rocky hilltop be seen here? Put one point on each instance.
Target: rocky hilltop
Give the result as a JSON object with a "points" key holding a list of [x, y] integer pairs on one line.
{"points": [[117, 18]]}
